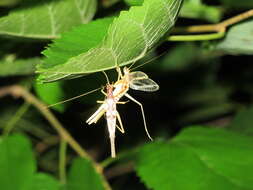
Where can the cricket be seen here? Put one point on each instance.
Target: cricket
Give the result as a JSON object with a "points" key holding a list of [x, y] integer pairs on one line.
{"points": [[135, 80]]}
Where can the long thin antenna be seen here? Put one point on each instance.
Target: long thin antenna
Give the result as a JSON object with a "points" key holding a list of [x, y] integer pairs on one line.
{"points": [[152, 59], [107, 79], [79, 96]]}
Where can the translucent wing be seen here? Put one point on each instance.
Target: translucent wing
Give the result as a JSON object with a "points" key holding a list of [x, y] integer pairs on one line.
{"points": [[145, 84], [138, 75]]}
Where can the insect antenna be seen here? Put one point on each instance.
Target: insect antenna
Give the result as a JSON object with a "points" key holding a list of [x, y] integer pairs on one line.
{"points": [[79, 96], [149, 61]]}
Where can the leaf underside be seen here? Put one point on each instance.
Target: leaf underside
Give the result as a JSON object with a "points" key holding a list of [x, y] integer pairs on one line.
{"points": [[128, 39]]}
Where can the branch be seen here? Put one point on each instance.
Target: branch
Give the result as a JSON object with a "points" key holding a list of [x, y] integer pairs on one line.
{"points": [[219, 28], [18, 91]]}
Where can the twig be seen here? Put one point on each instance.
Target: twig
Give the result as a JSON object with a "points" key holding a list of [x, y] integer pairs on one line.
{"points": [[11, 124], [219, 28], [62, 161], [18, 91]]}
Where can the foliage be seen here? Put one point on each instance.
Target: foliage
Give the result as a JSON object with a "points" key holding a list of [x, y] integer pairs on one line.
{"points": [[146, 26], [200, 119], [198, 158]]}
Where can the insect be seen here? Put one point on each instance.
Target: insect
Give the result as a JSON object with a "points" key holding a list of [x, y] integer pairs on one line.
{"points": [[114, 92], [109, 108], [136, 80]]}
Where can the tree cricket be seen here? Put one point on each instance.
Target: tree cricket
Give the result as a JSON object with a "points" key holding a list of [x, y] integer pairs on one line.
{"points": [[109, 108], [136, 80]]}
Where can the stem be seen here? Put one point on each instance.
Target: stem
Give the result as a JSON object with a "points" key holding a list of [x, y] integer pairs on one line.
{"points": [[220, 28], [18, 91], [18, 115], [200, 37], [62, 161]]}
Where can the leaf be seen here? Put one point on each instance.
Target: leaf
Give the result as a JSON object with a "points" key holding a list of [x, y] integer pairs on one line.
{"points": [[198, 158], [9, 2], [75, 42], [9, 67], [243, 122], [83, 176], [235, 4], [47, 19], [134, 2], [43, 182], [197, 10], [146, 25], [51, 93], [238, 40], [192, 9], [16, 162]]}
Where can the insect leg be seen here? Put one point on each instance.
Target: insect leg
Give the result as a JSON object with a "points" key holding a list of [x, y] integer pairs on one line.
{"points": [[142, 111], [122, 102], [97, 115], [120, 128], [119, 73]]}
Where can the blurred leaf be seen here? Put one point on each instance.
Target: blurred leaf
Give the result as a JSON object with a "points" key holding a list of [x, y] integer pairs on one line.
{"points": [[43, 182], [11, 67], [51, 93], [174, 60], [121, 46], [17, 165], [47, 19], [16, 162], [197, 10], [134, 2], [83, 176], [197, 159], [243, 122], [25, 123], [238, 40], [9, 2], [236, 4]]}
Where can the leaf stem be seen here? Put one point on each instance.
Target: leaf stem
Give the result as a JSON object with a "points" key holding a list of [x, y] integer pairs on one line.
{"points": [[18, 115], [62, 161], [200, 37], [18, 91], [219, 28]]}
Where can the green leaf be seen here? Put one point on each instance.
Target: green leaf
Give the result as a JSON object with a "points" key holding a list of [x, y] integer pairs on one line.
{"points": [[47, 19], [238, 40], [146, 25], [243, 122], [197, 159], [9, 2], [75, 42], [43, 182], [51, 93], [134, 2], [235, 4], [192, 9], [83, 176], [11, 67], [197, 10], [16, 162]]}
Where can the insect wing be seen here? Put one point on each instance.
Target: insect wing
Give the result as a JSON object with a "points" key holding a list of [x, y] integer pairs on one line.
{"points": [[145, 84], [137, 75]]}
